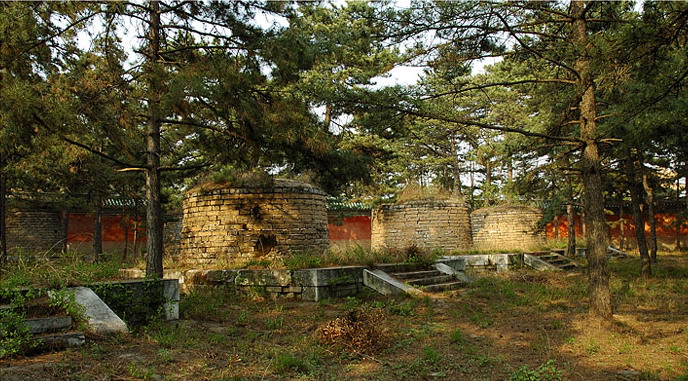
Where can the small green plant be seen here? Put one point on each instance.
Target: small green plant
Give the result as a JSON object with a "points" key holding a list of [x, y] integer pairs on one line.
{"points": [[481, 320], [403, 308], [351, 303], [242, 318], [287, 362], [137, 371], [431, 356], [275, 324], [65, 299], [258, 263], [15, 335], [165, 355], [457, 337], [676, 349], [592, 348], [301, 260], [545, 372]]}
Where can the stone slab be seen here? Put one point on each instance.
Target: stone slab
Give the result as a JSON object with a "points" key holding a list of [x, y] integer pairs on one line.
{"points": [[61, 340], [458, 264], [460, 275], [48, 324], [538, 264], [263, 278], [501, 262], [328, 276], [381, 282], [138, 287], [99, 317]]}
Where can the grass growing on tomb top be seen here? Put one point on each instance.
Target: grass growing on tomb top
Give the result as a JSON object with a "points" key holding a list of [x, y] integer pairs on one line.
{"points": [[229, 177], [415, 192]]}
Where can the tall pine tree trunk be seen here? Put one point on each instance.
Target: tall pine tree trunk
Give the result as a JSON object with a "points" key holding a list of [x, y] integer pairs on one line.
{"points": [[153, 189], [638, 218], [126, 224], [3, 208], [472, 184], [591, 171], [571, 221], [98, 231], [65, 230], [650, 200], [622, 227], [456, 170]]}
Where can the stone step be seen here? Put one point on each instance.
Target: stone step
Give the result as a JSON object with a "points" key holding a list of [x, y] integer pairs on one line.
{"points": [[48, 324], [399, 267], [63, 340], [556, 260], [415, 274], [444, 286], [431, 280]]}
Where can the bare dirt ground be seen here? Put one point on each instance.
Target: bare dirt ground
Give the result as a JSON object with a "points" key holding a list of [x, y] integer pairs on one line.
{"points": [[521, 325]]}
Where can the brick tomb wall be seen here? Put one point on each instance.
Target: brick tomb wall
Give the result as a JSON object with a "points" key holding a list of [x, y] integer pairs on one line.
{"points": [[253, 222], [429, 224], [506, 227], [34, 231]]}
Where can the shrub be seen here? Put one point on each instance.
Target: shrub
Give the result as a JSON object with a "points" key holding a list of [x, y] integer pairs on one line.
{"points": [[360, 330]]}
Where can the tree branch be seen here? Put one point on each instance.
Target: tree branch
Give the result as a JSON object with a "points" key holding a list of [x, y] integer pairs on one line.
{"points": [[481, 87], [41, 122]]}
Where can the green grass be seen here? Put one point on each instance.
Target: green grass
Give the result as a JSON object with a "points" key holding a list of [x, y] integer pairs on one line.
{"points": [[68, 269]]}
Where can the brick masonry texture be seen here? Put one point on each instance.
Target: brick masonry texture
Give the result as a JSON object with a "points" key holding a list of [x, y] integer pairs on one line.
{"points": [[253, 222], [35, 231], [431, 224], [506, 227]]}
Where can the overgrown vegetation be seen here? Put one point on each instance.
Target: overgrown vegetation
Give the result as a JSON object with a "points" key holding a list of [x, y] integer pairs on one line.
{"points": [[521, 325], [16, 305], [67, 269]]}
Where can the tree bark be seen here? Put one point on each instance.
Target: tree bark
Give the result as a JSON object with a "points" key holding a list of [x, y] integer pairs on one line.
{"points": [[3, 208], [571, 221], [65, 230], [622, 228], [153, 188], [650, 200], [591, 171], [679, 220], [472, 184], [638, 218], [456, 171], [126, 224], [488, 172], [98, 231], [556, 227]]}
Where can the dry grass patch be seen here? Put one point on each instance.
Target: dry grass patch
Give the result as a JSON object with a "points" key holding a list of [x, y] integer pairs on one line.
{"points": [[362, 330]]}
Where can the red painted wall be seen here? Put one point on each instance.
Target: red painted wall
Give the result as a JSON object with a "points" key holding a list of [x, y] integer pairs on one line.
{"points": [[351, 228], [666, 226], [80, 228]]}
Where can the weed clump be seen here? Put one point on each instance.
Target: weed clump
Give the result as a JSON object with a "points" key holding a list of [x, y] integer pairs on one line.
{"points": [[360, 330]]}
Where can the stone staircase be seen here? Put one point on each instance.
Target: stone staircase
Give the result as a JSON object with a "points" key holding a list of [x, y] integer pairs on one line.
{"points": [[556, 259], [429, 280], [413, 278], [50, 327], [614, 253]]}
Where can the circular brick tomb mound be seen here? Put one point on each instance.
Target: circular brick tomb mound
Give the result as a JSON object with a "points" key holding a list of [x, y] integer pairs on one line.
{"points": [[507, 227], [426, 224], [224, 223]]}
